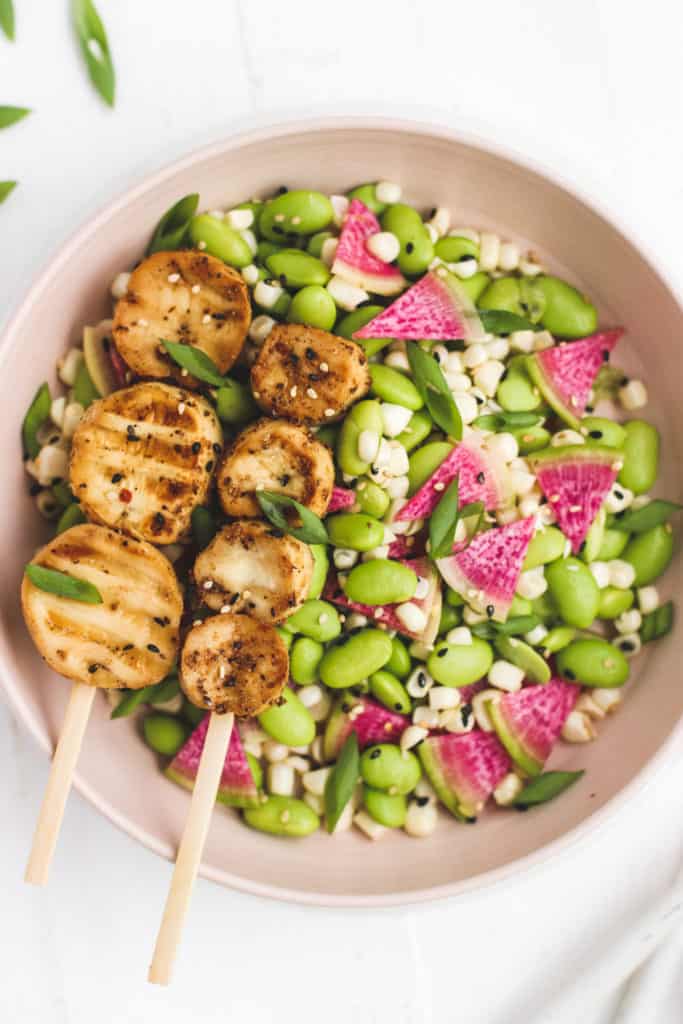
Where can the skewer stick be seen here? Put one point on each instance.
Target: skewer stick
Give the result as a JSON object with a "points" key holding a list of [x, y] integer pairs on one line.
{"points": [[191, 847], [59, 783]]}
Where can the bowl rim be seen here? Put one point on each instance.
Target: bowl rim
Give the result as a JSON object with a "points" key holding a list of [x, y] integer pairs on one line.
{"points": [[267, 130]]}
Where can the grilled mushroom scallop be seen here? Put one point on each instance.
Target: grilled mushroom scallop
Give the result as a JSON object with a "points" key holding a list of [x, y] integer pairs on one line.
{"points": [[187, 297], [250, 566], [275, 455], [131, 638], [308, 375], [233, 663], [142, 459]]}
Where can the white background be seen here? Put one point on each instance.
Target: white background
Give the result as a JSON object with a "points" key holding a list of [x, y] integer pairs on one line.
{"points": [[591, 88]]}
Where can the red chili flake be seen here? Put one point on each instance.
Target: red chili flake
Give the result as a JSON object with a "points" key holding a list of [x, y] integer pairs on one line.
{"points": [[125, 495]]}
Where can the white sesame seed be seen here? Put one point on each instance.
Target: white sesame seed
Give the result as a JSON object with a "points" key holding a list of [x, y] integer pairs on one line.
{"points": [[246, 594], [225, 608], [206, 319], [439, 486], [208, 584], [195, 289], [329, 412], [184, 372], [311, 392], [293, 391], [201, 245], [221, 671], [181, 408], [143, 323], [173, 278], [197, 622], [377, 614], [324, 368]]}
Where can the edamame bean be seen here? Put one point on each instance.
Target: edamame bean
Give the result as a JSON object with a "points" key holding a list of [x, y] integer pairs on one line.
{"points": [[353, 322], [165, 734], [304, 659], [317, 241], [650, 553], [460, 664], [392, 386], [567, 313], [234, 403], [641, 456], [371, 498], [516, 391], [316, 619], [613, 543], [419, 428], [365, 415], [290, 723], [545, 546], [286, 637], [450, 618], [384, 766], [424, 461], [593, 662], [368, 196], [519, 606], [593, 542], [301, 212], [525, 657], [297, 269], [574, 590], [357, 658], [399, 663], [504, 294], [417, 249], [599, 430], [614, 602], [452, 248], [531, 439], [256, 770], [354, 530], [220, 240], [71, 516], [390, 691], [266, 249], [282, 816], [386, 810], [313, 305], [556, 639], [321, 565], [475, 286], [380, 581]]}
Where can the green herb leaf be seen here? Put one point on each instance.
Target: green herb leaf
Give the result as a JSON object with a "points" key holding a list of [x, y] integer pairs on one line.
{"points": [[7, 18], [62, 493], [430, 382], [204, 526], [195, 362], [85, 391], [507, 421], [157, 694], [499, 321], [546, 787], [274, 506], [38, 411], [59, 583], [95, 48], [6, 187], [172, 228], [515, 626], [10, 115], [341, 781], [642, 519], [657, 623], [71, 516], [443, 521]]}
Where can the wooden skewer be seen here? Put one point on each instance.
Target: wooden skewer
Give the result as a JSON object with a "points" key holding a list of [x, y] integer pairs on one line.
{"points": [[59, 783], [191, 847]]}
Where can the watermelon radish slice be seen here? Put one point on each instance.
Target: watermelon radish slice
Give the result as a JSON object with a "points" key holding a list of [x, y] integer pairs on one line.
{"points": [[482, 476], [464, 770], [119, 367], [468, 692], [529, 722], [237, 787], [408, 547], [436, 308], [487, 571], [564, 374], [341, 498], [386, 614], [355, 263], [576, 480], [371, 723]]}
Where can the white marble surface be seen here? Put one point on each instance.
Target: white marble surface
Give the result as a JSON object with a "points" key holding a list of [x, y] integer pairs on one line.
{"points": [[593, 90]]}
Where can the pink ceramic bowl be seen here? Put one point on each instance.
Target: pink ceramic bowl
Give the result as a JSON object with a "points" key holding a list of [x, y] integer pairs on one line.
{"points": [[481, 186]]}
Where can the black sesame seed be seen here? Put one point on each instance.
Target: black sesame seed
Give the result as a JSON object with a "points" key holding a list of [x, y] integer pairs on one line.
{"points": [[93, 668], [346, 708], [466, 258], [409, 247], [117, 477], [619, 495], [432, 213], [196, 447], [470, 821], [490, 610], [422, 801], [398, 706], [278, 230], [283, 280], [281, 190], [442, 653], [481, 478], [465, 713], [310, 353], [159, 622], [209, 466], [627, 645], [595, 434], [153, 648], [34, 489], [605, 355], [421, 679], [375, 753], [568, 674], [127, 647]]}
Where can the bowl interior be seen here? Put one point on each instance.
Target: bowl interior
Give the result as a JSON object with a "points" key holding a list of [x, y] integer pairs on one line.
{"points": [[116, 771]]}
